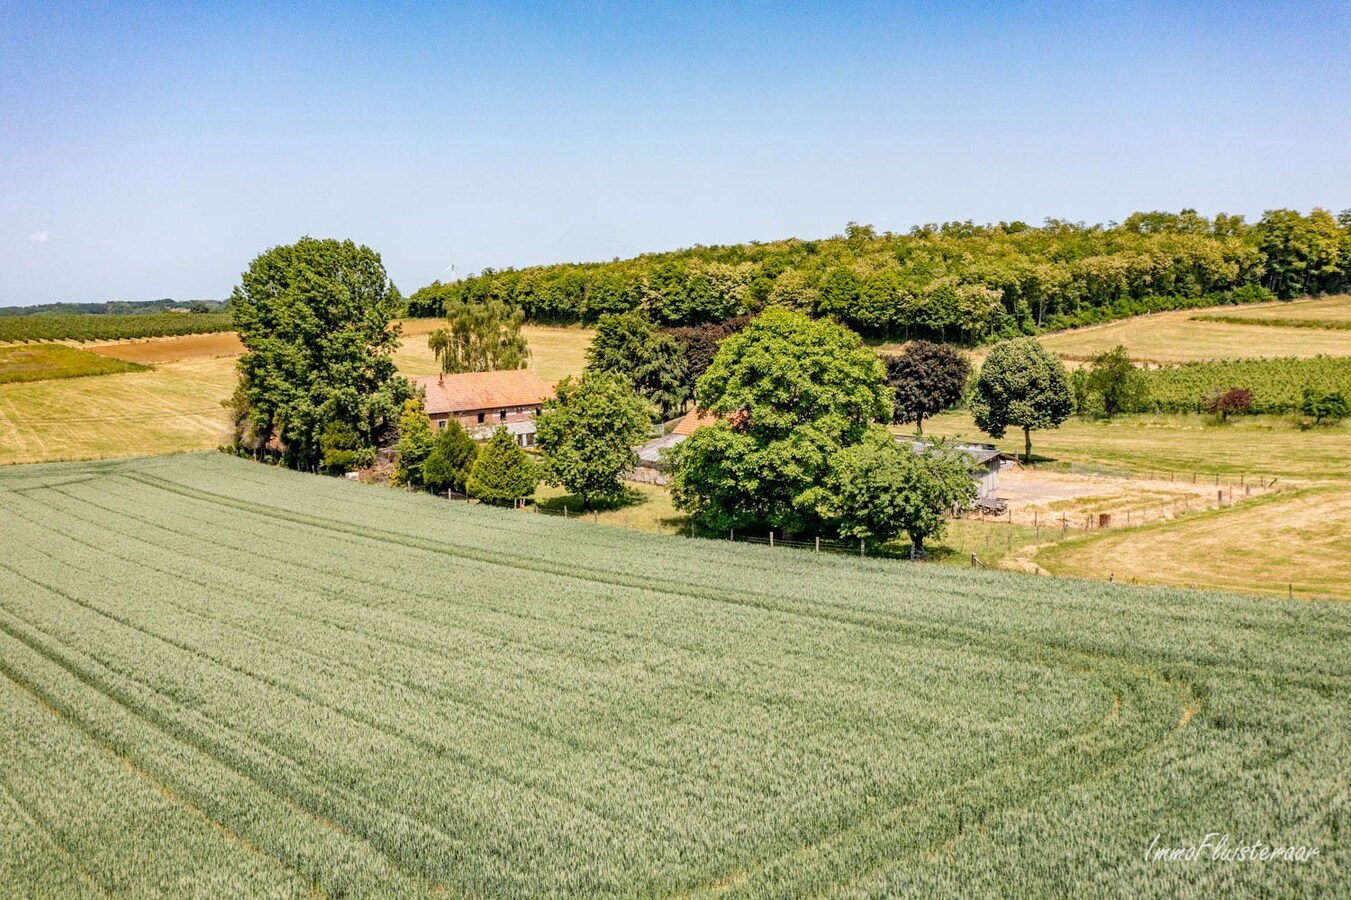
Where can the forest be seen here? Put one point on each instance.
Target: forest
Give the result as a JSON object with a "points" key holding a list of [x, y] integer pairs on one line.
{"points": [[957, 281]]}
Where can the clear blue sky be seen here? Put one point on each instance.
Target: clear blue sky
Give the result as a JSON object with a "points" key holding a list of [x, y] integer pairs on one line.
{"points": [[154, 151]]}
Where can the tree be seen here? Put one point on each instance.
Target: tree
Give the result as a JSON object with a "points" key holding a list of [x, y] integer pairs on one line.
{"points": [[661, 376], [628, 345], [879, 488], [1116, 382], [587, 433], [1024, 385], [415, 443], [314, 318], [342, 449], [620, 345], [699, 343], [927, 378], [1234, 400], [452, 456], [1323, 406], [791, 392], [502, 472], [480, 337]]}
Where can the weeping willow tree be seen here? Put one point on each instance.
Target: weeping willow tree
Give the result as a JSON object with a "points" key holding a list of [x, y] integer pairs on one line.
{"points": [[480, 337]]}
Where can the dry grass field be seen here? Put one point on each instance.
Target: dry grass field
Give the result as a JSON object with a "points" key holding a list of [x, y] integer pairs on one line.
{"points": [[556, 352], [1298, 541], [1252, 446], [1329, 309], [172, 349], [172, 408], [1177, 337], [176, 405]]}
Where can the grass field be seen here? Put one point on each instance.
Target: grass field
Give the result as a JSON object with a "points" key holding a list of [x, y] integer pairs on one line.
{"points": [[42, 362], [225, 679], [555, 352], [1174, 337], [176, 406], [1328, 309], [1254, 446], [171, 408], [1298, 542]]}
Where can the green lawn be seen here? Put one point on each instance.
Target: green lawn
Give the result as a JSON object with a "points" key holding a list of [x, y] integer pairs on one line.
{"points": [[43, 362], [220, 678]]}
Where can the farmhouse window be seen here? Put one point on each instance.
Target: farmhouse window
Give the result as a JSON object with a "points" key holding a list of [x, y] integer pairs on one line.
{"points": [[480, 418]]}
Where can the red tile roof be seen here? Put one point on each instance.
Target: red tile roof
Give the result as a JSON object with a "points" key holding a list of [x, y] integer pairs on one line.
{"points": [[469, 391], [693, 419]]}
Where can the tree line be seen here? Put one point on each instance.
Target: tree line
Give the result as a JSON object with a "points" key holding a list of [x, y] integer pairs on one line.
{"points": [[958, 281]]}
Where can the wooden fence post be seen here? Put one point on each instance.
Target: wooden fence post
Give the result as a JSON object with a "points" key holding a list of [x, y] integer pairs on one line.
{"points": [[860, 548], [818, 543], [771, 537]]}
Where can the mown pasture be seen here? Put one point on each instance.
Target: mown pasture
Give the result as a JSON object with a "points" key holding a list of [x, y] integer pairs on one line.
{"points": [[222, 678], [1185, 336]]}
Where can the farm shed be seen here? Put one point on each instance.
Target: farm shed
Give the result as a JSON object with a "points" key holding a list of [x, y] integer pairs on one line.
{"points": [[986, 461], [484, 401]]}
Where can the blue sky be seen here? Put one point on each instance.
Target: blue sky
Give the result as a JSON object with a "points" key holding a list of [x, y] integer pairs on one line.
{"points": [[154, 151]]}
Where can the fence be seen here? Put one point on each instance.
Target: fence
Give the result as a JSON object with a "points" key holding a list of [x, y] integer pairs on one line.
{"points": [[1174, 476]]}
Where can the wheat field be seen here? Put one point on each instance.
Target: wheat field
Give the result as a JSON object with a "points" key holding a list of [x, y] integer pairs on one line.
{"points": [[219, 678]]}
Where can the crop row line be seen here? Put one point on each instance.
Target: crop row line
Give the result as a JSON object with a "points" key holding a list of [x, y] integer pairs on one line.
{"points": [[201, 740], [373, 674]]}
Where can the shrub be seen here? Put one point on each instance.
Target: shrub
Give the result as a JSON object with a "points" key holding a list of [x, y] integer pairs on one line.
{"points": [[1326, 407], [1234, 400]]}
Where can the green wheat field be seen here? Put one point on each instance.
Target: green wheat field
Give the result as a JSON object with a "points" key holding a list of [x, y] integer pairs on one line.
{"points": [[220, 679]]}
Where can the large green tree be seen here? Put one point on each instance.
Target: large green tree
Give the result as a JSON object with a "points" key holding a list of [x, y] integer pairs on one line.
{"points": [[315, 320], [628, 345], [926, 378], [879, 488], [791, 392], [1022, 384], [587, 433], [480, 337], [502, 472]]}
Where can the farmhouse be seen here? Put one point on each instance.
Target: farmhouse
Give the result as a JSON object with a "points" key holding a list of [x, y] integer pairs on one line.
{"points": [[484, 401]]}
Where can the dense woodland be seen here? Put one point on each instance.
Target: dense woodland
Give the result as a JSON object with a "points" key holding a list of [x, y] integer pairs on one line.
{"points": [[957, 281]]}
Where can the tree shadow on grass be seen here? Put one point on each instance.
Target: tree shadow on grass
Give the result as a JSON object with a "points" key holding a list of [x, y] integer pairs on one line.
{"points": [[628, 497]]}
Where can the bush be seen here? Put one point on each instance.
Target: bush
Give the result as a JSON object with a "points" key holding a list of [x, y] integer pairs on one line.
{"points": [[502, 472], [447, 467], [1325, 407], [343, 450]]}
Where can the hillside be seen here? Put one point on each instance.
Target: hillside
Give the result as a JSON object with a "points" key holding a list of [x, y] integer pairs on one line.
{"points": [[956, 281], [234, 679]]}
